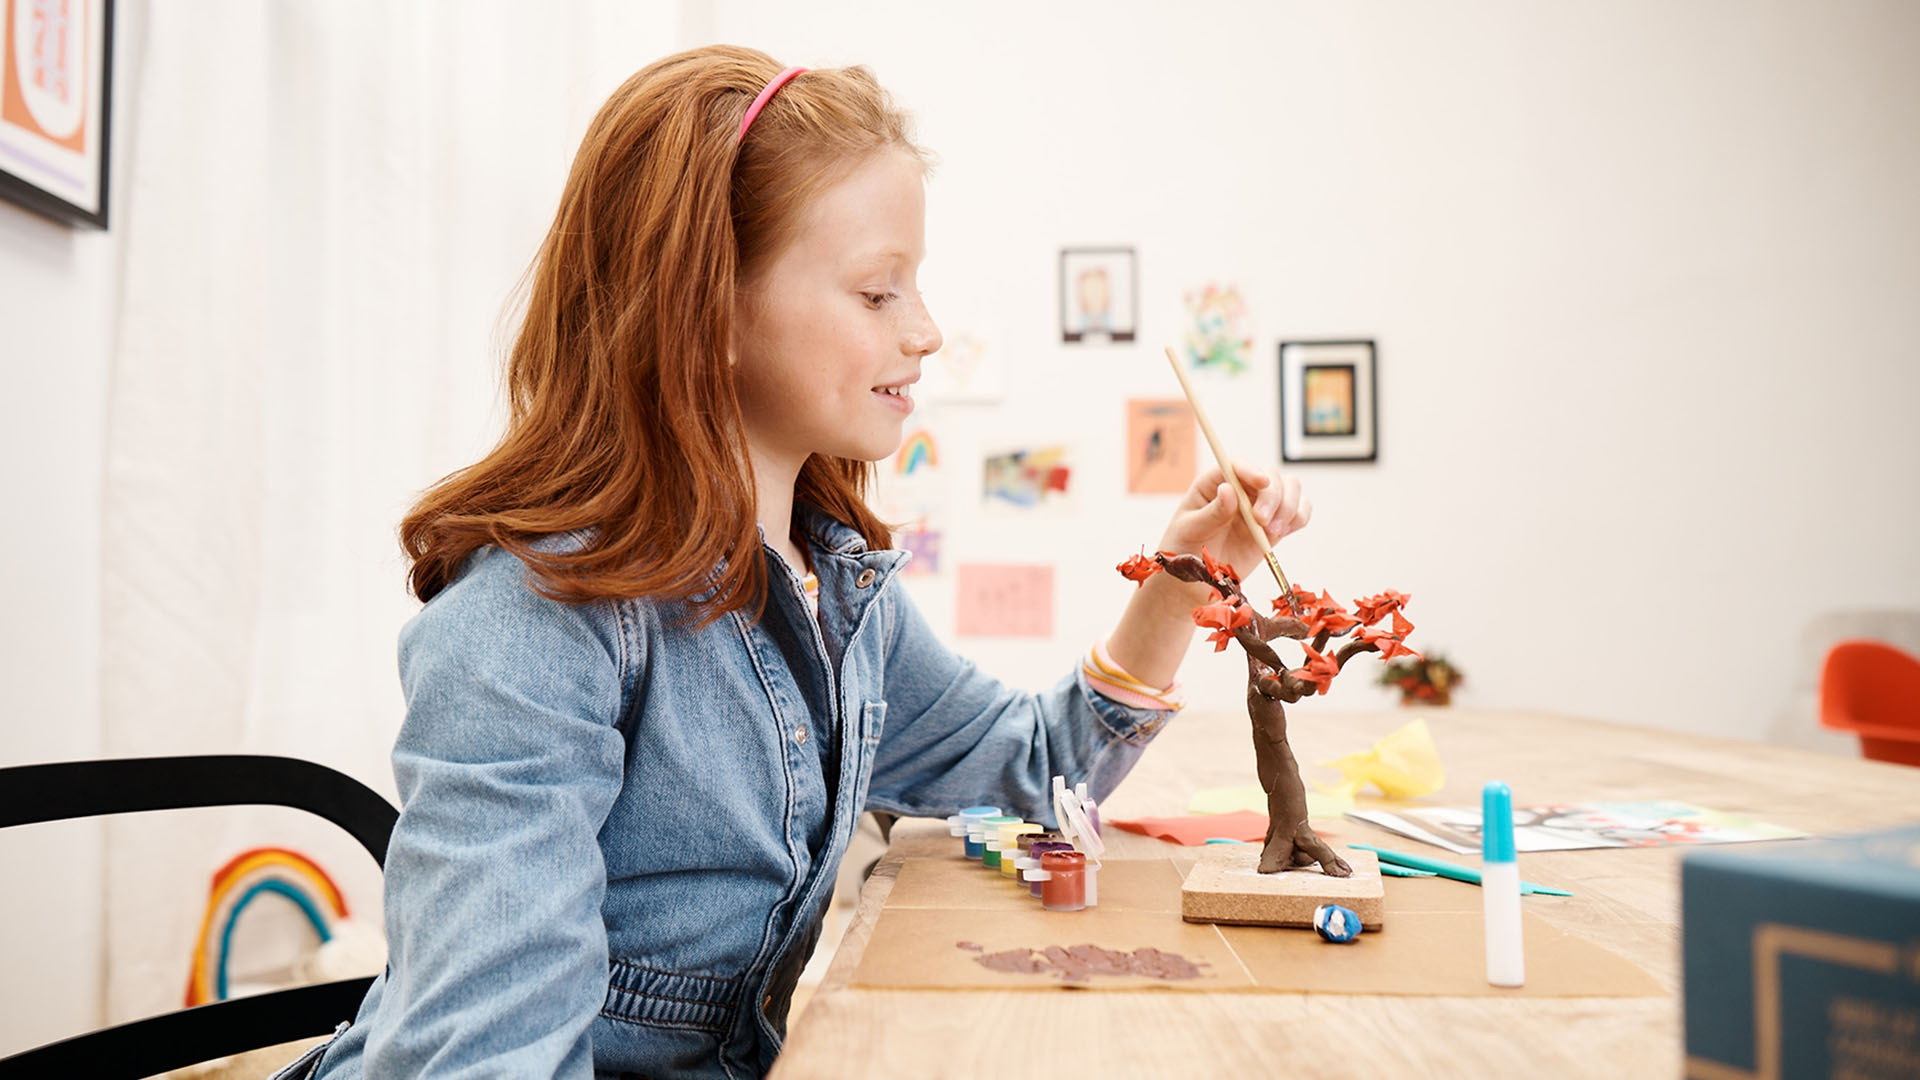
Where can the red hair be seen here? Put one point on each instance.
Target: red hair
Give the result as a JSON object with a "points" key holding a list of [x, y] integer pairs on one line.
{"points": [[623, 420]]}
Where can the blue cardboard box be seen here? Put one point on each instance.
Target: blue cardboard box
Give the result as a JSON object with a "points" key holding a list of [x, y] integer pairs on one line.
{"points": [[1802, 959]]}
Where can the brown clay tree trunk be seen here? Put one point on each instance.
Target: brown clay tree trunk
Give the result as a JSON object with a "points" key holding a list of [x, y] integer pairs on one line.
{"points": [[1291, 842]]}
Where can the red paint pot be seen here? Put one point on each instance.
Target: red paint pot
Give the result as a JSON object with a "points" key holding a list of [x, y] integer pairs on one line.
{"points": [[1065, 888], [1038, 851]]}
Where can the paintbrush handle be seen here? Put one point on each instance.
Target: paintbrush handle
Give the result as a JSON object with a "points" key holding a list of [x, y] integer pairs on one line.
{"points": [[1226, 469]]}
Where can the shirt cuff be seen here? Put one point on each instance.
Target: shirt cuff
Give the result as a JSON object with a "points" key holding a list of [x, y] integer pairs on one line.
{"points": [[1113, 682]]}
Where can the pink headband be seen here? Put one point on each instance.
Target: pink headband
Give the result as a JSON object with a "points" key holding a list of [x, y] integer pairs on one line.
{"points": [[766, 95]]}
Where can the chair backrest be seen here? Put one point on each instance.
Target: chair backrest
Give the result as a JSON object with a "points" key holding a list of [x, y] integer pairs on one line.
{"points": [[1873, 690], [77, 789]]}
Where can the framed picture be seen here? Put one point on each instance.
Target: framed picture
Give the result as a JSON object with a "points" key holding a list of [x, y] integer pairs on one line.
{"points": [[1328, 401], [56, 63], [1097, 297]]}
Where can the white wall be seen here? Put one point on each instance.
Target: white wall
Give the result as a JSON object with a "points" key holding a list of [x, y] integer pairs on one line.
{"points": [[1641, 275], [51, 433], [59, 289]]}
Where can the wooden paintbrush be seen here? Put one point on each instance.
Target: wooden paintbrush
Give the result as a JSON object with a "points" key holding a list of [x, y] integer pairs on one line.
{"points": [[1226, 469]]}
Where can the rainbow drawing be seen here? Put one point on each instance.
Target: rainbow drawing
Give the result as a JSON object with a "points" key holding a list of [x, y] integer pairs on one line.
{"points": [[918, 452], [249, 874]]}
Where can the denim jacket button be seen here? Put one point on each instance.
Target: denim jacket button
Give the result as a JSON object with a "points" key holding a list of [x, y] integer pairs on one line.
{"points": [[800, 736], [865, 579]]}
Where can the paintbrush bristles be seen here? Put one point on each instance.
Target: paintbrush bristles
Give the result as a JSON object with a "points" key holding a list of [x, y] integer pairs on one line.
{"points": [[1226, 469]]}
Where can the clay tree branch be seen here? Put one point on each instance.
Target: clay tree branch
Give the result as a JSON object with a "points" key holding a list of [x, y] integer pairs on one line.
{"points": [[1271, 686], [1352, 649]]}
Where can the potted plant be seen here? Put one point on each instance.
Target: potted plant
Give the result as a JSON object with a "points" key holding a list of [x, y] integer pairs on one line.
{"points": [[1423, 680]]}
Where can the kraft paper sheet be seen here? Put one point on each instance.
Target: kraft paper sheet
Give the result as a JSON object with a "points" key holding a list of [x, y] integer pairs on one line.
{"points": [[1431, 945]]}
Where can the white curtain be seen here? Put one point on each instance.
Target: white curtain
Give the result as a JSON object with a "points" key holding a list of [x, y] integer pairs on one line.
{"points": [[328, 207]]}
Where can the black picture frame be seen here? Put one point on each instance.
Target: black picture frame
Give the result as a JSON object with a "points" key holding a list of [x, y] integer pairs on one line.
{"points": [[29, 171], [1119, 279], [1329, 401]]}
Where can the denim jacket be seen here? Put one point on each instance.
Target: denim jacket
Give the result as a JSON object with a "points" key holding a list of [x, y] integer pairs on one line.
{"points": [[619, 835]]}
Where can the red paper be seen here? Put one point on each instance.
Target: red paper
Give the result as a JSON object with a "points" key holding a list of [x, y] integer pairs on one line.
{"points": [[1196, 829]]}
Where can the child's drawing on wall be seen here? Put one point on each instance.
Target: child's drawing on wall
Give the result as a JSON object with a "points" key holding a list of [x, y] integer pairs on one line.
{"points": [[1027, 479], [1096, 294], [1219, 338], [1160, 447]]}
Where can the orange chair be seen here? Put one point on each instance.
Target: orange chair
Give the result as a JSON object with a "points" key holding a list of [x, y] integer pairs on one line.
{"points": [[1873, 690]]}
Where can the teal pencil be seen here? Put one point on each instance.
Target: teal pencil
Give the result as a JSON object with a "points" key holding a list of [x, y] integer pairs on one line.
{"points": [[1392, 870], [1449, 870]]}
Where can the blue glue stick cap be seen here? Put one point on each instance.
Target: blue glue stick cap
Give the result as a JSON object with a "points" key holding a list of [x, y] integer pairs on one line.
{"points": [[1496, 823]]}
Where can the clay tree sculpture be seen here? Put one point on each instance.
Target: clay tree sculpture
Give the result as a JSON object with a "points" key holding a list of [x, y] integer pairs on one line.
{"points": [[1272, 684]]}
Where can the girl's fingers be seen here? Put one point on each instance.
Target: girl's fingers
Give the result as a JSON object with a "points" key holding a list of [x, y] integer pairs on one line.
{"points": [[1252, 477], [1288, 499], [1274, 508], [1277, 501], [1267, 507], [1301, 516], [1205, 489]]}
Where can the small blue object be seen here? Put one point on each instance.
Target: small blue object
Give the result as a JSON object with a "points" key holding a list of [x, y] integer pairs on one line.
{"points": [[1223, 840], [1335, 923]]}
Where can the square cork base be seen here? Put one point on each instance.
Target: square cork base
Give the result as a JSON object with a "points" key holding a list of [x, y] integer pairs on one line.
{"points": [[1226, 886]]}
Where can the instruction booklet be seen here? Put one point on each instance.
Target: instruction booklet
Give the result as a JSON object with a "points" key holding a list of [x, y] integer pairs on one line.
{"points": [[1571, 826]]}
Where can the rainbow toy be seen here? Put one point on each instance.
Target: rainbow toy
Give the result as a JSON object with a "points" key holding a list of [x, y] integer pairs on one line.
{"points": [[249, 874], [918, 452]]}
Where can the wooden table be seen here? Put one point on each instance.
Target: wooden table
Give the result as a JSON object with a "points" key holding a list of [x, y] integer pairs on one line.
{"points": [[1627, 900]]}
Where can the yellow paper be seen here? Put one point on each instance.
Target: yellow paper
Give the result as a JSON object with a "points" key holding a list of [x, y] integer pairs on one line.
{"points": [[1320, 804], [1402, 765]]}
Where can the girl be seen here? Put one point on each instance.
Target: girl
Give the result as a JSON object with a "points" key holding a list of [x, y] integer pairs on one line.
{"points": [[663, 664]]}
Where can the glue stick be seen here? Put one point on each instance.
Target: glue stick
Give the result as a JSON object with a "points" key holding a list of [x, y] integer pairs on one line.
{"points": [[1500, 887]]}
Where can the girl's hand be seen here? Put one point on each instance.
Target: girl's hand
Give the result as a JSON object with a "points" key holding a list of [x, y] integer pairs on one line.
{"points": [[1207, 517]]}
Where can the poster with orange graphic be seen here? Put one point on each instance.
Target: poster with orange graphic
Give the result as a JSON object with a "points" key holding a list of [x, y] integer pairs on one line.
{"points": [[1160, 454], [55, 56]]}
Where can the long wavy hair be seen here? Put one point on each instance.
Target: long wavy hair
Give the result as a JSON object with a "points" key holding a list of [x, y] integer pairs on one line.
{"points": [[623, 419]]}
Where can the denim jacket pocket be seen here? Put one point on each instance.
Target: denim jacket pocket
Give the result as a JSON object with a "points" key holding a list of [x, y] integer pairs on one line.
{"points": [[644, 995]]}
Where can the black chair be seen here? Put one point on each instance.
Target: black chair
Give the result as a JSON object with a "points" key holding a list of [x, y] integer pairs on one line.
{"points": [[77, 789]]}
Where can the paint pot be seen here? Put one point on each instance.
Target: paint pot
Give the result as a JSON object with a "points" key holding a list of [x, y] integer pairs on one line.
{"points": [[979, 832], [1009, 841], [1000, 839], [1026, 859], [1030, 866], [958, 824], [1065, 886]]}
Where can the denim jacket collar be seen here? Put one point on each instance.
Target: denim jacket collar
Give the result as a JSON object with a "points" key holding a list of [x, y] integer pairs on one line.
{"points": [[831, 536]]}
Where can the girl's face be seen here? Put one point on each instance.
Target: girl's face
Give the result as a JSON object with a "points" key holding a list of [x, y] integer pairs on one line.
{"points": [[833, 331]]}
